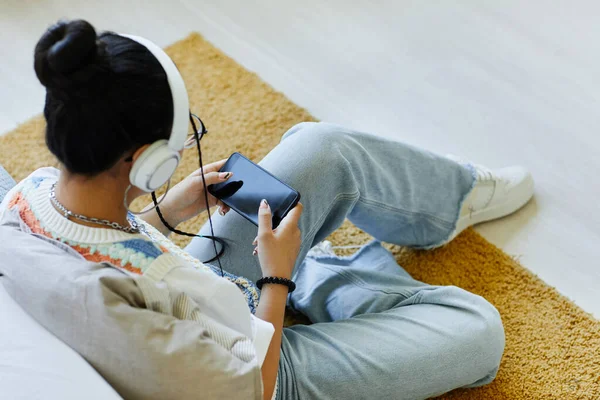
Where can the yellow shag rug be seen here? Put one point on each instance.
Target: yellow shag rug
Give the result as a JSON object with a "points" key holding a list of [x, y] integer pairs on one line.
{"points": [[552, 348]]}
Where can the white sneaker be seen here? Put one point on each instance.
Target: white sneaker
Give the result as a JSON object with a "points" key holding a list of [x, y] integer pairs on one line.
{"points": [[497, 193], [323, 248]]}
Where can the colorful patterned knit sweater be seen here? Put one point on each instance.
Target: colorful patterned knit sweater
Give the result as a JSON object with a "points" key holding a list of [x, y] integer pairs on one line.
{"points": [[131, 252]]}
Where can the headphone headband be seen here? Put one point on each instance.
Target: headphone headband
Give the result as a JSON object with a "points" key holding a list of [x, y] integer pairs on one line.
{"points": [[181, 104]]}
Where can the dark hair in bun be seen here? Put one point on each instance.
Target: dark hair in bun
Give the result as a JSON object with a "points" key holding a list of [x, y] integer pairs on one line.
{"points": [[106, 95]]}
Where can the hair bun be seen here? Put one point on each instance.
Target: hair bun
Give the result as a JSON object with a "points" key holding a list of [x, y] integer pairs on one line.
{"points": [[65, 48]]}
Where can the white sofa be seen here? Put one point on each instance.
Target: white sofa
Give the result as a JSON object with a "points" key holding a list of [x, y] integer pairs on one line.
{"points": [[34, 364]]}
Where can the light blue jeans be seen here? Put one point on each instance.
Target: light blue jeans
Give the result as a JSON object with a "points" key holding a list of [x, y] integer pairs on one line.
{"points": [[376, 333]]}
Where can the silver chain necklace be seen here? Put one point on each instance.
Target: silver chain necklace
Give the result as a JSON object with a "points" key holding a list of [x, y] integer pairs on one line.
{"points": [[129, 229]]}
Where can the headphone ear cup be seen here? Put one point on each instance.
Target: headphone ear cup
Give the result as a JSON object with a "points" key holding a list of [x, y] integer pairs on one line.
{"points": [[154, 167]]}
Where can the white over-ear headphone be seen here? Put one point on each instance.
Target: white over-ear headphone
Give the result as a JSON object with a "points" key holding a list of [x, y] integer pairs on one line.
{"points": [[155, 166]]}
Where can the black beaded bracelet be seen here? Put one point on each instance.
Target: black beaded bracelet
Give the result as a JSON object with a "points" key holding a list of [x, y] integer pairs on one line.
{"points": [[274, 279]]}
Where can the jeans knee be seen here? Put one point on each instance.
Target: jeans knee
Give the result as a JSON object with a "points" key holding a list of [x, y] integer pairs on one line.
{"points": [[301, 126], [487, 334], [317, 142], [308, 150], [478, 330], [315, 137]]}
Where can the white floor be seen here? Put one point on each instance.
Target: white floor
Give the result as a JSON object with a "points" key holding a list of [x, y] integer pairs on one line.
{"points": [[516, 83]]}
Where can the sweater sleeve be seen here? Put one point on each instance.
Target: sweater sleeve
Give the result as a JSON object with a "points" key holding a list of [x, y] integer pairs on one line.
{"points": [[144, 354], [218, 299], [102, 314]]}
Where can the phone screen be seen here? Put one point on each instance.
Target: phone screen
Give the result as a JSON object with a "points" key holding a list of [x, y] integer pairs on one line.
{"points": [[248, 185]]}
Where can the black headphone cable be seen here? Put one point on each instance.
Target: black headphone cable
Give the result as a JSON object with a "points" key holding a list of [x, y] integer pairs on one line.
{"points": [[177, 231]]}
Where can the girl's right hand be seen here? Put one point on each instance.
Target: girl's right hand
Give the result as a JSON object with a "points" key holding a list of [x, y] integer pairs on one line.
{"points": [[278, 249]]}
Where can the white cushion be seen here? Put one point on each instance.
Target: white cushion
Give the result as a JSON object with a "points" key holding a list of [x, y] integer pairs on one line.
{"points": [[34, 364]]}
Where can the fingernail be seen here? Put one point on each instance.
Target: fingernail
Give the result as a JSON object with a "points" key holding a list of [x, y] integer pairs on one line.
{"points": [[221, 211], [254, 252], [264, 204], [224, 175], [255, 241]]}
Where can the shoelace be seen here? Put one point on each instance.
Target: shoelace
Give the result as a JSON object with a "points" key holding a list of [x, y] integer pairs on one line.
{"points": [[484, 174]]}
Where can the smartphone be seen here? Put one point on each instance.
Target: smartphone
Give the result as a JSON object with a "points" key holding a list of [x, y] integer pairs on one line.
{"points": [[249, 184]]}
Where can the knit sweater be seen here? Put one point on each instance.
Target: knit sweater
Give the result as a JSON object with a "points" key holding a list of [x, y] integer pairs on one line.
{"points": [[224, 307], [132, 252]]}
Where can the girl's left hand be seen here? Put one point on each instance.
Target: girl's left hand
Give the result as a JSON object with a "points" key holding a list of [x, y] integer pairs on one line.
{"points": [[186, 199]]}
